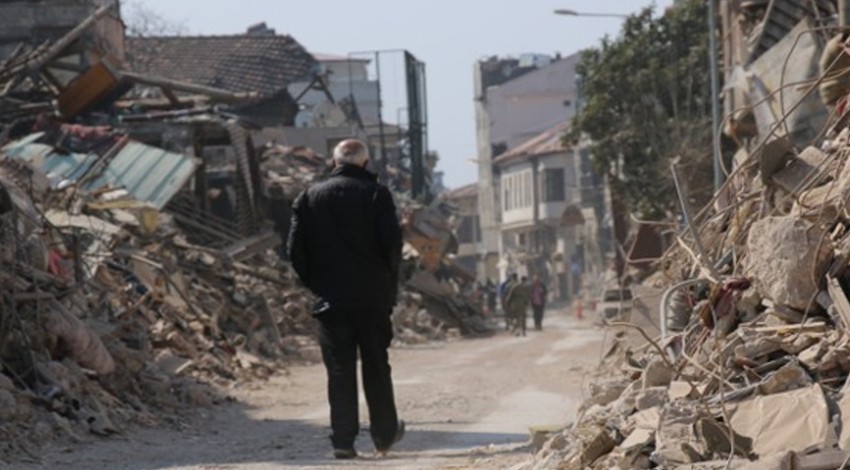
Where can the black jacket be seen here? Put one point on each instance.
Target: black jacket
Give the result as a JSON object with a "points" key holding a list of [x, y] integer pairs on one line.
{"points": [[345, 241]]}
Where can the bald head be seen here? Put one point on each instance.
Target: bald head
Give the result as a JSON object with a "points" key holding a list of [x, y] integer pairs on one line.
{"points": [[351, 152]]}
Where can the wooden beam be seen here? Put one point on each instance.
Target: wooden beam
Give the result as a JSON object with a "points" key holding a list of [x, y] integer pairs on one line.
{"points": [[175, 85]]}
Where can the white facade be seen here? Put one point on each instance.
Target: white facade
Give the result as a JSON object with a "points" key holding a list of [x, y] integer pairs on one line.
{"points": [[526, 106], [517, 195], [524, 184], [536, 191], [507, 114], [563, 167]]}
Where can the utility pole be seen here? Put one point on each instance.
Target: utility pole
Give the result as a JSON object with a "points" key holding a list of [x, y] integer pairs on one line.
{"points": [[715, 93]]}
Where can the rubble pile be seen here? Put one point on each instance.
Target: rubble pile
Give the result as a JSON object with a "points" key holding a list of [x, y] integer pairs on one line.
{"points": [[431, 274], [752, 364], [107, 321], [431, 304], [138, 263], [751, 367]]}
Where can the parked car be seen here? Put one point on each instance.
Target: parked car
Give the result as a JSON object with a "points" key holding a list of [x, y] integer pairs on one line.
{"points": [[615, 304]]}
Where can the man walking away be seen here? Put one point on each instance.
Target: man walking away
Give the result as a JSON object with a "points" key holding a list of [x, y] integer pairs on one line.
{"points": [[345, 244], [519, 296], [538, 301]]}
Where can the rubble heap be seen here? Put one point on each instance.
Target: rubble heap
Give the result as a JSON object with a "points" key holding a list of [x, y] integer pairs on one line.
{"points": [[753, 362], [108, 319], [139, 260], [432, 304]]}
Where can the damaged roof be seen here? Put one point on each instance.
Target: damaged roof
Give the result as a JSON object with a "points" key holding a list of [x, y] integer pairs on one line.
{"points": [[470, 190], [545, 143], [240, 63], [781, 17], [149, 174]]}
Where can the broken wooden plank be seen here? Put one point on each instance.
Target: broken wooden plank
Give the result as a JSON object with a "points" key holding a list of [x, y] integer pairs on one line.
{"points": [[839, 299], [247, 248], [787, 329]]}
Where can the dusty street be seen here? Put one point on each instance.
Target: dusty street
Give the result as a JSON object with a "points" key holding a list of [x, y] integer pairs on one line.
{"points": [[467, 403]]}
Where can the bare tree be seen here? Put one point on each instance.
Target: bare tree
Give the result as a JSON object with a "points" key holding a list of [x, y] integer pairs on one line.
{"points": [[143, 21]]}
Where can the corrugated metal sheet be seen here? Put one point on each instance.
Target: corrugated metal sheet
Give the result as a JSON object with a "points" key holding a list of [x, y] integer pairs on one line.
{"points": [[149, 174]]}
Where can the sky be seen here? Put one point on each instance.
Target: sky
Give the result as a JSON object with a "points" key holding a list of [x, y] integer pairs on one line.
{"points": [[448, 35]]}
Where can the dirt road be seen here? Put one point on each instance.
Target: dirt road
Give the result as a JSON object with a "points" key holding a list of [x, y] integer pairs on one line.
{"points": [[468, 404]]}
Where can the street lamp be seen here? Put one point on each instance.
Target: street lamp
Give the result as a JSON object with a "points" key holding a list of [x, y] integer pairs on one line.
{"points": [[568, 12]]}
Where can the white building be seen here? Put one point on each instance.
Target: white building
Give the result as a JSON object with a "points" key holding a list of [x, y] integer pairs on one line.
{"points": [[540, 205], [516, 100]]}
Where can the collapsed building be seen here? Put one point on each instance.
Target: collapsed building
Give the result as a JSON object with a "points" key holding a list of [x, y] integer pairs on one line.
{"points": [[142, 214], [745, 365]]}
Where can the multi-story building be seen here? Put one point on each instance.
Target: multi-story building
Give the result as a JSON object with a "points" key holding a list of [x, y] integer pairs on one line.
{"points": [[516, 100], [540, 203]]}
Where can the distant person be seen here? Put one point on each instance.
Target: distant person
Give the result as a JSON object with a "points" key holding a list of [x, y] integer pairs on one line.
{"points": [[480, 295], [345, 244], [538, 301], [492, 293], [518, 299], [503, 295]]}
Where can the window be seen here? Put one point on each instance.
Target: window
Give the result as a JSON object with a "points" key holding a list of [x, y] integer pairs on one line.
{"points": [[554, 185], [469, 229], [517, 203], [466, 230], [518, 191]]}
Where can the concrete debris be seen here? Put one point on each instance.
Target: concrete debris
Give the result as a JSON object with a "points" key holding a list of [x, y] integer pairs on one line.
{"points": [[140, 273], [751, 369], [786, 256], [657, 373]]}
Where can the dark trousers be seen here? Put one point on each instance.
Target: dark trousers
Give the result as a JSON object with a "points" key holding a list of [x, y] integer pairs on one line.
{"points": [[538, 315], [341, 336]]}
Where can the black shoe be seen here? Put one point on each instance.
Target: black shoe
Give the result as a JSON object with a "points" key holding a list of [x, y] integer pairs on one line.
{"points": [[348, 453], [399, 435]]}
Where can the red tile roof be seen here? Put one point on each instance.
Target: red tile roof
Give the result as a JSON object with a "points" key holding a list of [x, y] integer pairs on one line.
{"points": [[469, 190], [240, 63], [547, 142]]}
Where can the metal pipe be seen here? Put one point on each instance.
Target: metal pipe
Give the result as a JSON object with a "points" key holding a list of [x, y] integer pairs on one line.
{"points": [[691, 225], [844, 12], [665, 300], [715, 93], [212, 92], [383, 161]]}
